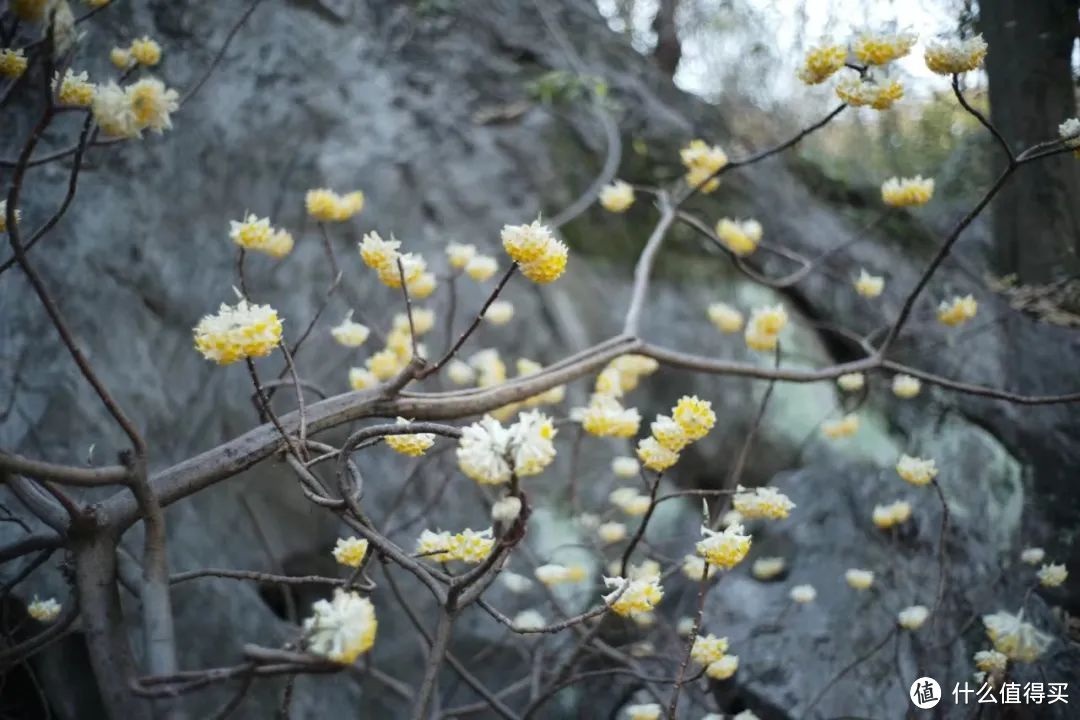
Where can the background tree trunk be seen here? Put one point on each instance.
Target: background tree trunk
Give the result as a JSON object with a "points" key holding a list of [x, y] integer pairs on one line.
{"points": [[668, 50], [1037, 218]]}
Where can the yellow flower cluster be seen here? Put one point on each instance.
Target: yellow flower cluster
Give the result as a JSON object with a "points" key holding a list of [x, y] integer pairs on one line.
{"points": [[643, 711], [708, 649], [325, 205], [458, 255], [467, 546], [724, 549], [3, 216], [702, 162], [691, 419], [1032, 555], [238, 332], [877, 48], [639, 596], [859, 579], [1052, 575], [341, 629], [351, 551], [1014, 638], [726, 318], [625, 466], [841, 428], [412, 444], [44, 611], [913, 617], [553, 574], [763, 330], [350, 333], [869, 286], [859, 92], [991, 661], [917, 471], [126, 111], [12, 63], [739, 236], [630, 501], [723, 668], [957, 311], [905, 386], [540, 256], [254, 233], [907, 192], [762, 502], [481, 267], [611, 532], [499, 312], [617, 197], [145, 51], [851, 382], [74, 88], [951, 57], [383, 257], [803, 594], [892, 514], [821, 63], [767, 568]]}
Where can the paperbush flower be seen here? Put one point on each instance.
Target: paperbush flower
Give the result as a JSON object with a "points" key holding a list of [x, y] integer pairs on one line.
{"points": [[861, 92], [506, 510], [350, 333], [702, 162], [423, 320], [553, 574], [851, 382], [1014, 638], [350, 551], [917, 471], [459, 254], [708, 649], [821, 62], [669, 433], [471, 546], [803, 594], [412, 267], [957, 311], [362, 378], [762, 502], [460, 373], [991, 661], [647, 570], [238, 332], [631, 368], [120, 58], [531, 444], [481, 268], [694, 415], [694, 566], [905, 386], [12, 62], [869, 286], [341, 629], [515, 583], [422, 285], [611, 532], [499, 312], [489, 453], [763, 330], [655, 456], [434, 545], [73, 89], [606, 417], [625, 466], [891, 514], [252, 233], [739, 236], [490, 368], [1032, 555], [950, 57], [913, 617], [44, 611], [630, 501], [841, 428], [879, 48], [859, 579], [374, 251], [526, 243], [725, 549], [1070, 134], [644, 711], [640, 596], [1052, 575], [549, 266], [413, 444], [384, 364], [723, 668], [767, 568], [617, 197], [529, 620], [907, 192], [152, 104], [145, 51], [726, 318]]}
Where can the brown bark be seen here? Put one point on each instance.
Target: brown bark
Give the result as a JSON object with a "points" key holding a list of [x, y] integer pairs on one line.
{"points": [[668, 50], [1037, 217]]}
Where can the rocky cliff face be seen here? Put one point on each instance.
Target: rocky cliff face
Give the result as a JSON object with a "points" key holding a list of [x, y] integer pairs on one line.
{"points": [[426, 107]]}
